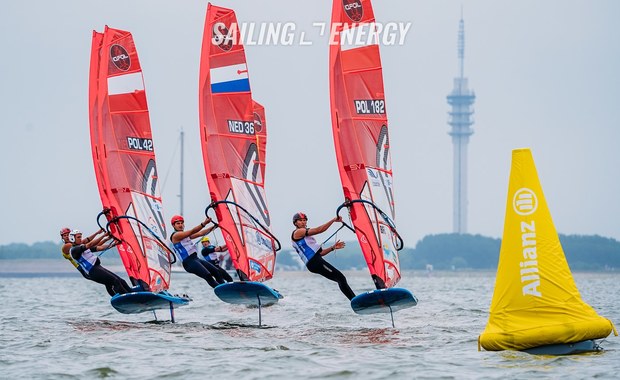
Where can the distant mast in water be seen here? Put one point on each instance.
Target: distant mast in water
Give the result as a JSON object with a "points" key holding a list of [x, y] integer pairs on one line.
{"points": [[181, 137]]}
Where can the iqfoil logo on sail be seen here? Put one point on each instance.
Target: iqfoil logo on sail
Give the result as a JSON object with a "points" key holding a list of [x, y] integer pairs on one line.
{"points": [[221, 36], [120, 57], [525, 201], [258, 122], [354, 9]]}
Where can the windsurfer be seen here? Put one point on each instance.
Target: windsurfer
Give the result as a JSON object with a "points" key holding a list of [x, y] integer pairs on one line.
{"points": [[312, 253], [84, 255], [209, 252], [66, 246], [182, 243]]}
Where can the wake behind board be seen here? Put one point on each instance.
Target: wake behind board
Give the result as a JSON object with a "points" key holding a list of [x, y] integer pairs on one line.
{"points": [[247, 293], [383, 301], [140, 302], [565, 349]]}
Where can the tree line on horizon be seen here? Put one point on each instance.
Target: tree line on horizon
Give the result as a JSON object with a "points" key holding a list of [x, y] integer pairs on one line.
{"points": [[441, 252], [475, 252]]}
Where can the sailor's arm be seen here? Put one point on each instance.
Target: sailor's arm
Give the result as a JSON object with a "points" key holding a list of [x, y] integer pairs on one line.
{"points": [[339, 245], [323, 227]]}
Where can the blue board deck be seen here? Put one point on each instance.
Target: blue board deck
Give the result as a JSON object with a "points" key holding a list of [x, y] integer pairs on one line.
{"points": [[383, 301], [565, 349], [139, 302], [247, 293]]}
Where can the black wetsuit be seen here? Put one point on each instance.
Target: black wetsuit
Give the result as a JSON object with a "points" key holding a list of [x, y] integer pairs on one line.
{"points": [[317, 264], [83, 272], [113, 283], [205, 253], [77, 266], [192, 264], [203, 269]]}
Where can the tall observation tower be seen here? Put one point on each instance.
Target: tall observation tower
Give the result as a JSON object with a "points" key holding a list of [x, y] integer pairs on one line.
{"points": [[461, 99]]}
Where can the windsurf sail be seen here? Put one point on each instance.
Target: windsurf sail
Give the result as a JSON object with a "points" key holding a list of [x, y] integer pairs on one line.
{"points": [[535, 299], [361, 139], [233, 133], [124, 158]]}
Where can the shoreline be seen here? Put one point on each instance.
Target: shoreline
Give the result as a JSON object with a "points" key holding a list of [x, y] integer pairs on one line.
{"points": [[22, 267], [62, 268]]}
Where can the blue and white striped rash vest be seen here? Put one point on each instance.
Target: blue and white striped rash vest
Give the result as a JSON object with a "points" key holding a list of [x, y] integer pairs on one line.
{"points": [[184, 248], [306, 247], [87, 259]]}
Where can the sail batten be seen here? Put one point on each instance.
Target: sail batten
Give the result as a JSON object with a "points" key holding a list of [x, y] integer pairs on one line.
{"points": [[233, 139], [124, 158]]}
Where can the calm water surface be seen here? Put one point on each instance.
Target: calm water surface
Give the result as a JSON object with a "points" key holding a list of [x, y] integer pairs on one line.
{"points": [[63, 327]]}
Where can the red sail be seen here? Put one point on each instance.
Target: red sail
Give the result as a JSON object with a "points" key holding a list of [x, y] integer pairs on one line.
{"points": [[124, 157], [233, 132], [360, 129]]}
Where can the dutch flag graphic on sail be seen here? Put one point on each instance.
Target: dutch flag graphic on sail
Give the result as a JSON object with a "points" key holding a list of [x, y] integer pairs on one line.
{"points": [[232, 78]]}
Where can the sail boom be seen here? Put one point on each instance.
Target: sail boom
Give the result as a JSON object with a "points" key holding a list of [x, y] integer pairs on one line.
{"points": [[132, 152], [364, 118], [363, 70], [128, 112]]}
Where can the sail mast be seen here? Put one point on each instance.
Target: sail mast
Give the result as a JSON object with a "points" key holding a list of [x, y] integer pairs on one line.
{"points": [[233, 140], [124, 158], [361, 140]]}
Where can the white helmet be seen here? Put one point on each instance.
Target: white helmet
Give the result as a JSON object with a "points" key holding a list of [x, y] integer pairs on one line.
{"points": [[72, 235]]}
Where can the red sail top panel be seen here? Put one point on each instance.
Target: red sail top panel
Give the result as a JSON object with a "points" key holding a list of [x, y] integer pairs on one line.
{"points": [[360, 129], [233, 135], [124, 157]]}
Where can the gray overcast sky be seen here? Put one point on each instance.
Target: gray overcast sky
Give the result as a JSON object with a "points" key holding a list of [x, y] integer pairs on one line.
{"points": [[546, 76]]}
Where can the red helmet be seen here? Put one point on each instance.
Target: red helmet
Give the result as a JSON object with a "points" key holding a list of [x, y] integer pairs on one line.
{"points": [[176, 218], [299, 215], [65, 230]]}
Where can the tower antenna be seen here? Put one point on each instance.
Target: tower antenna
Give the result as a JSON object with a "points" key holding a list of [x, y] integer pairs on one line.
{"points": [[460, 119]]}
